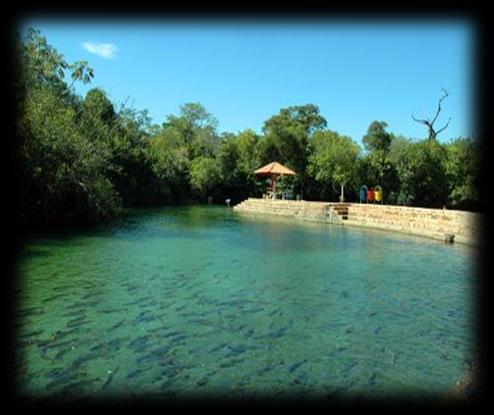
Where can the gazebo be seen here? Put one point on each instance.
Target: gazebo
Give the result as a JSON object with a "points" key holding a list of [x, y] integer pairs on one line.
{"points": [[274, 170]]}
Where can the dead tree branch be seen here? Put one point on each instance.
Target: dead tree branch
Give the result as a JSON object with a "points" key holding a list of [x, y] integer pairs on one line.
{"points": [[430, 124]]}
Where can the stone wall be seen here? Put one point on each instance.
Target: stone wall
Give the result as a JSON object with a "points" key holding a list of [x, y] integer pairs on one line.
{"points": [[315, 211], [433, 223]]}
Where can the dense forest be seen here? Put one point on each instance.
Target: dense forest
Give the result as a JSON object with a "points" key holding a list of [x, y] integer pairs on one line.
{"points": [[85, 159]]}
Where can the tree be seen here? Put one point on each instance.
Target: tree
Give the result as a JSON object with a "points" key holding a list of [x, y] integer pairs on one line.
{"points": [[422, 174], [41, 65], [170, 154], [132, 172], [170, 163], [228, 158], [204, 174], [333, 159], [63, 177], [196, 116], [64, 173], [197, 128], [306, 117], [430, 123], [397, 154], [97, 117], [463, 172], [286, 138], [377, 138], [248, 161], [376, 166], [98, 107], [247, 143]]}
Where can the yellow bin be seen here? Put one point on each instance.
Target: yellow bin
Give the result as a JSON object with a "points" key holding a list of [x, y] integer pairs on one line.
{"points": [[378, 194]]}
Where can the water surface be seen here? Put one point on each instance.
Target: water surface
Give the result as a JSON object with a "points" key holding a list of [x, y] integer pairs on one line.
{"points": [[188, 301]]}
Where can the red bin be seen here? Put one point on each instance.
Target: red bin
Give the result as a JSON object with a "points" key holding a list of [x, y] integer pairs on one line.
{"points": [[370, 195]]}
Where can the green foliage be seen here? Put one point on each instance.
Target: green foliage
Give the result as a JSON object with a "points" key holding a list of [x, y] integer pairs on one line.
{"points": [[236, 164], [204, 174], [286, 139], [135, 180], [247, 143], [423, 180], [197, 127], [248, 162], [170, 155], [98, 108], [305, 118], [463, 171], [376, 166], [287, 135], [333, 159], [64, 173], [42, 65], [228, 159], [285, 184], [97, 118], [64, 176], [170, 160], [196, 116], [377, 138], [377, 143]]}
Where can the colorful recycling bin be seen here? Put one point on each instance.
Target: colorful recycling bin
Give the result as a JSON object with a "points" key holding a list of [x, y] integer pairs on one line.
{"points": [[378, 194], [370, 195], [363, 193]]}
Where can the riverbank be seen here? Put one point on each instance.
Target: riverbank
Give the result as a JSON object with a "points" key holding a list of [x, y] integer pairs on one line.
{"points": [[442, 224]]}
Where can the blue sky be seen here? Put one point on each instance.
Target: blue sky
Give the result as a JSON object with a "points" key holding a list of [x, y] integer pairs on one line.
{"points": [[244, 72]]}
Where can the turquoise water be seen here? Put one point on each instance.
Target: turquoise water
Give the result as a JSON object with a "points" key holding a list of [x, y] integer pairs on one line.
{"points": [[204, 301]]}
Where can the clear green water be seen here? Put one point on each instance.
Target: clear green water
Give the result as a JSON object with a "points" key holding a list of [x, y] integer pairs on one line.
{"points": [[202, 300]]}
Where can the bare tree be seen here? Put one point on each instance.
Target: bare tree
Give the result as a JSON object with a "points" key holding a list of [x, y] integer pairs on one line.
{"points": [[430, 123]]}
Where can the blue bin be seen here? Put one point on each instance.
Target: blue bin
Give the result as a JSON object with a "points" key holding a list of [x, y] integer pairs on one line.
{"points": [[363, 193]]}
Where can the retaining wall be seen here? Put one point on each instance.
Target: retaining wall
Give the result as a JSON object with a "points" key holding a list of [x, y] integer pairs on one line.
{"points": [[433, 223]]}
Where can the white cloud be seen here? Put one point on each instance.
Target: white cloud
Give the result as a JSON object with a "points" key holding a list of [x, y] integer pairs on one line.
{"points": [[105, 50]]}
